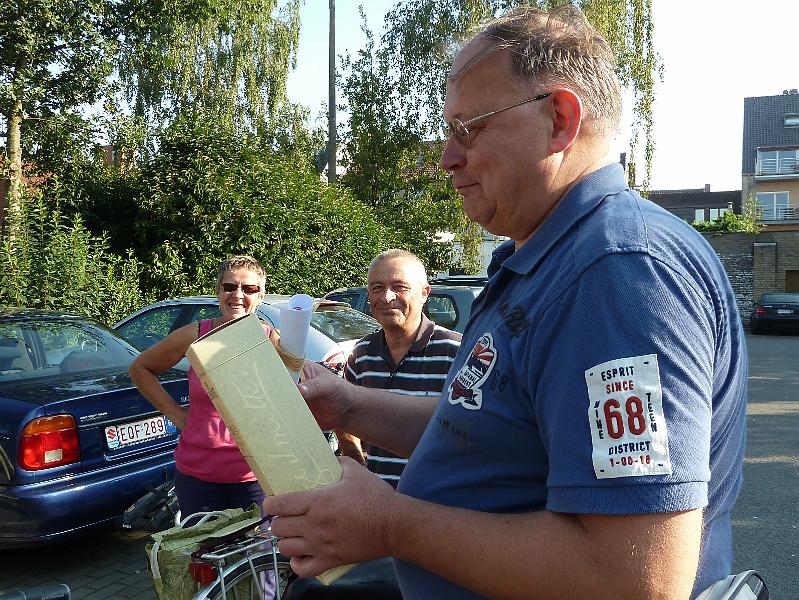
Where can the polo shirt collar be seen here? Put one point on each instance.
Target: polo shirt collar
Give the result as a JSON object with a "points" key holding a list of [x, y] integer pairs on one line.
{"points": [[379, 346], [581, 200]]}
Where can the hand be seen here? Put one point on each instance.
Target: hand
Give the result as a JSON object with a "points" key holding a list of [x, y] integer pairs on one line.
{"points": [[342, 523], [325, 393]]}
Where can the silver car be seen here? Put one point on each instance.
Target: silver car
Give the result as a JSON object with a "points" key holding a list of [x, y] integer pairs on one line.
{"points": [[335, 326]]}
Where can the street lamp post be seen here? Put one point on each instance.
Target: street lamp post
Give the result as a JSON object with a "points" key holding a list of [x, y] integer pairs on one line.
{"points": [[331, 105]]}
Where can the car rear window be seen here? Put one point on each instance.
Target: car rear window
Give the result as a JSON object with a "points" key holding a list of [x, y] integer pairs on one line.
{"points": [[780, 299], [343, 323], [31, 349], [442, 310]]}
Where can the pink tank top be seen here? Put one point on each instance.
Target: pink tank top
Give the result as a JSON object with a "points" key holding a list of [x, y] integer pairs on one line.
{"points": [[206, 449]]}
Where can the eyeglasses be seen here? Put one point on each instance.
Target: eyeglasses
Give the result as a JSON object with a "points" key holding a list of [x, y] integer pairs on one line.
{"points": [[247, 288], [457, 127]]}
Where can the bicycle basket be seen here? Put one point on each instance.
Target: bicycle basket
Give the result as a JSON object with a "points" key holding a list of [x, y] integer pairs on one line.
{"points": [[169, 554]]}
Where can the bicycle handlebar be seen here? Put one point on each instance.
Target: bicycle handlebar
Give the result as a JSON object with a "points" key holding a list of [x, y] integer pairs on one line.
{"points": [[58, 591]]}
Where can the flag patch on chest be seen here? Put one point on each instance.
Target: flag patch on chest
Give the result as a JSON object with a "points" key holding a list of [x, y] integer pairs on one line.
{"points": [[625, 414], [465, 388]]}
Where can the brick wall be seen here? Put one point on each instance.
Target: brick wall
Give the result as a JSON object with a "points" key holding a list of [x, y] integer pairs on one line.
{"points": [[756, 263]]}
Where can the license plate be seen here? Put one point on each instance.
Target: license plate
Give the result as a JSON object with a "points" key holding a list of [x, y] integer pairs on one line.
{"points": [[784, 311], [128, 434]]}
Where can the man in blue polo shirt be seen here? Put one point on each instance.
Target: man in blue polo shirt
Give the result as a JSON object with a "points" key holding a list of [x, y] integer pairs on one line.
{"points": [[590, 436]]}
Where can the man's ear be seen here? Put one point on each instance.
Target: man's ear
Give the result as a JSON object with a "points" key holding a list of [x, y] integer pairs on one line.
{"points": [[568, 114], [425, 292]]}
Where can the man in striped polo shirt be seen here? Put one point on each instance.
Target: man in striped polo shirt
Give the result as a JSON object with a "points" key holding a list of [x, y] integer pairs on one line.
{"points": [[410, 355]]}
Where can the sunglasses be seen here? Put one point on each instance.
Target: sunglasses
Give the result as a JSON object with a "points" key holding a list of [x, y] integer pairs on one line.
{"points": [[247, 288]]}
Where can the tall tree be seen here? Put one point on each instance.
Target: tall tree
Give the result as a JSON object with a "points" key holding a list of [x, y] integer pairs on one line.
{"points": [[389, 164], [220, 58], [54, 56], [421, 36]]}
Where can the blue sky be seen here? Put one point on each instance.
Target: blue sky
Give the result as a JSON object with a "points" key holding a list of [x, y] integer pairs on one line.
{"points": [[715, 53]]}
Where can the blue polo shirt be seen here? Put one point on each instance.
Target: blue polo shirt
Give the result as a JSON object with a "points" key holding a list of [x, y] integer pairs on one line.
{"points": [[603, 371]]}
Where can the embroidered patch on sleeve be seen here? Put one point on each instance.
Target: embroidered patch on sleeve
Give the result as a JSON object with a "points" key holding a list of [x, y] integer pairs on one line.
{"points": [[625, 414]]}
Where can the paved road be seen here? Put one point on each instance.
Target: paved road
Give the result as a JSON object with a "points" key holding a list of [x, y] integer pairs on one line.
{"points": [[105, 566], [113, 565], [765, 518]]}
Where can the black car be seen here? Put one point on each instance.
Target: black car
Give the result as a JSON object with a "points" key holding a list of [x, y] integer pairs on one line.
{"points": [[449, 303], [78, 442], [776, 312]]}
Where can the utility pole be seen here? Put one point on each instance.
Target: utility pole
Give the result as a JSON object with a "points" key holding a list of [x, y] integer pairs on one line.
{"points": [[331, 102]]}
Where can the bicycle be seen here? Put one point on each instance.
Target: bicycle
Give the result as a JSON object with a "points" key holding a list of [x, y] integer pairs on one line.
{"points": [[235, 566]]}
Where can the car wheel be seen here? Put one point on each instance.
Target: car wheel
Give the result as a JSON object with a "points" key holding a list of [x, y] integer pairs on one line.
{"points": [[756, 329]]}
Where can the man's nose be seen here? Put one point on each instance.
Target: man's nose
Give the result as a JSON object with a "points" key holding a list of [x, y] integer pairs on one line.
{"points": [[387, 295], [453, 155]]}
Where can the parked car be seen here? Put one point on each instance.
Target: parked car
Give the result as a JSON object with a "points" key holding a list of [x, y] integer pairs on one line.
{"points": [[449, 303], [78, 443], [335, 326], [776, 311]]}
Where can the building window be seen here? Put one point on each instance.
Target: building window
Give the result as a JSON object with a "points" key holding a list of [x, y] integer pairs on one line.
{"points": [[773, 206], [777, 162], [714, 213], [792, 120], [699, 215]]}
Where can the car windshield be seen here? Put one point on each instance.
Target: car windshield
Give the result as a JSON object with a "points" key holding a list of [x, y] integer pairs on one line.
{"points": [[780, 299], [343, 323], [33, 348]]}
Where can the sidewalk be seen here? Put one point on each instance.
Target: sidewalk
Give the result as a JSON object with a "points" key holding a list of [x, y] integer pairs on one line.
{"points": [[109, 565]]}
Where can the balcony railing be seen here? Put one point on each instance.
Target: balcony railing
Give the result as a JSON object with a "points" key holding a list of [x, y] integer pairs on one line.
{"points": [[778, 213], [773, 166]]}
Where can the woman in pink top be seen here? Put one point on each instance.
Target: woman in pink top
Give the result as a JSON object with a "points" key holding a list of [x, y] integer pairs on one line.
{"points": [[211, 473]]}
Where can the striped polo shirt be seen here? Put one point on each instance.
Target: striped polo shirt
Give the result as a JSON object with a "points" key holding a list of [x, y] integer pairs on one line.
{"points": [[421, 372]]}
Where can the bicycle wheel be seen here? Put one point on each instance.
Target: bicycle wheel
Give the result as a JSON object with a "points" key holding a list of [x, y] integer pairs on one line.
{"points": [[240, 572]]}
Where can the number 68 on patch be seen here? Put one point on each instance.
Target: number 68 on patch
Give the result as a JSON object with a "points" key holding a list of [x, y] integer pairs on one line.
{"points": [[625, 415]]}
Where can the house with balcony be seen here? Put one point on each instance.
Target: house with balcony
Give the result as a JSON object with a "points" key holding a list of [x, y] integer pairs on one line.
{"points": [[770, 161]]}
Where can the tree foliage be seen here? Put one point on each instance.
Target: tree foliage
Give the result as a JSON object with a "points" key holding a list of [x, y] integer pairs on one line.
{"points": [[56, 263], [220, 59], [422, 37], [729, 222], [391, 167], [54, 56], [211, 192]]}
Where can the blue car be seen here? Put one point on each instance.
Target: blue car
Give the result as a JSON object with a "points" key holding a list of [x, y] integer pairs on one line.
{"points": [[78, 443]]}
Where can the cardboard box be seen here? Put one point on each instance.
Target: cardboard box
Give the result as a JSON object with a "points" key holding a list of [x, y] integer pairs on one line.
{"points": [[263, 409]]}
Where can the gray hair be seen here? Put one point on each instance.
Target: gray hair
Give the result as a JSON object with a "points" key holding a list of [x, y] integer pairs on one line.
{"points": [[236, 263], [558, 47], [404, 254]]}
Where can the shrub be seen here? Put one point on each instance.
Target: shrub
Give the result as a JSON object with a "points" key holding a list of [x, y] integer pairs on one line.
{"points": [[55, 263], [212, 193]]}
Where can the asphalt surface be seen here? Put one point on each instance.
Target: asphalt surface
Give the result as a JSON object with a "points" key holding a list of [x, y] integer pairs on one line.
{"points": [[765, 518], [112, 565]]}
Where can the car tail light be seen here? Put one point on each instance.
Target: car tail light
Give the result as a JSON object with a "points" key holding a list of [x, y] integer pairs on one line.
{"points": [[49, 442], [335, 361], [760, 311]]}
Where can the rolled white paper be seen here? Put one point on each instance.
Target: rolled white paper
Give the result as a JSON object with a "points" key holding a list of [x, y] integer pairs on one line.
{"points": [[295, 321]]}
